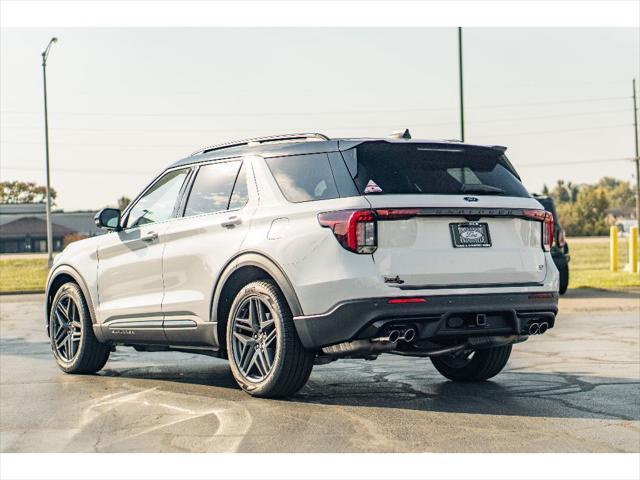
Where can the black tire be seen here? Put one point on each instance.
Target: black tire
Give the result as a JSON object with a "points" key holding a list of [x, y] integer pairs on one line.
{"points": [[564, 279], [482, 365], [290, 363], [90, 355]]}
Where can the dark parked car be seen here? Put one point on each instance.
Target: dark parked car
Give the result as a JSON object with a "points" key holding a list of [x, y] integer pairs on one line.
{"points": [[560, 248]]}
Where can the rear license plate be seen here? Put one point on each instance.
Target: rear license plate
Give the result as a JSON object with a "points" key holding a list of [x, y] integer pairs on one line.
{"points": [[470, 235]]}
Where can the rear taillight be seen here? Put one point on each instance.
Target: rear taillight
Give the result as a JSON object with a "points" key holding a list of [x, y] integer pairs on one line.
{"points": [[355, 230], [547, 226], [397, 213]]}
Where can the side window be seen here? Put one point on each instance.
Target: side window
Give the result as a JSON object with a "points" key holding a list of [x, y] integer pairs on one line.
{"points": [[212, 188], [304, 177], [240, 195], [158, 203]]}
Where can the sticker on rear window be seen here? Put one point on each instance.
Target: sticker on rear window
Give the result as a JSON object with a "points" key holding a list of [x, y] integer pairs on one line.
{"points": [[372, 187]]}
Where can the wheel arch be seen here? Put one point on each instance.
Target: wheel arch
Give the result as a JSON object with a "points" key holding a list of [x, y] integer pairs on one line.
{"points": [[61, 275], [245, 268]]}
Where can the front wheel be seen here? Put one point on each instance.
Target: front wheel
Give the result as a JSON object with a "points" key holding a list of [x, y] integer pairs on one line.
{"points": [[473, 366], [265, 353], [75, 348]]}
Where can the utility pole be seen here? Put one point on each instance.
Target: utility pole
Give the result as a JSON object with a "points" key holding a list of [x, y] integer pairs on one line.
{"points": [[45, 54], [637, 159], [461, 84]]}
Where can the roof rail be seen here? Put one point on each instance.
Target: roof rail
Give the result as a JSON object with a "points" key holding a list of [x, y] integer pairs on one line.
{"points": [[260, 140]]}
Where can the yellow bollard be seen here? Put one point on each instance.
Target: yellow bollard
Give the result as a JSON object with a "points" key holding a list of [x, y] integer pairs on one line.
{"points": [[633, 250], [613, 249]]}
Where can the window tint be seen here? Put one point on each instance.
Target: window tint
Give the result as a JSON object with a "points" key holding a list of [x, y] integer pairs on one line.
{"points": [[212, 188], [159, 201], [304, 177], [384, 168], [240, 195]]}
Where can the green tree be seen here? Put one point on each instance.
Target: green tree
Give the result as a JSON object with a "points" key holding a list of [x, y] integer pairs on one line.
{"points": [[590, 211], [24, 192]]}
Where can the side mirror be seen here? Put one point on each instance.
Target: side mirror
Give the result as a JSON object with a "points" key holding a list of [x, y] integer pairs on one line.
{"points": [[108, 218]]}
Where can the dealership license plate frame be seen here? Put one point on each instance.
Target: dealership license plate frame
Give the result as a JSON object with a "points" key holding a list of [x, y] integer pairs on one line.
{"points": [[462, 240]]}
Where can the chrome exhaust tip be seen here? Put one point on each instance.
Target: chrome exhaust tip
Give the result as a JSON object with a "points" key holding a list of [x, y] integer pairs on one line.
{"points": [[409, 335], [543, 328], [393, 336], [534, 329]]}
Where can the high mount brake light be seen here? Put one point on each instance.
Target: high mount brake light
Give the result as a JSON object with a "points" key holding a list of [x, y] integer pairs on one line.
{"points": [[547, 226], [355, 230]]}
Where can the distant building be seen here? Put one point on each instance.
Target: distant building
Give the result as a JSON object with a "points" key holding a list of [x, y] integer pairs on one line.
{"points": [[23, 227]]}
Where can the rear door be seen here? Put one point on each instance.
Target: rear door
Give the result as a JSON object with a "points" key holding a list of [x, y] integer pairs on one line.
{"points": [[449, 215], [215, 221]]}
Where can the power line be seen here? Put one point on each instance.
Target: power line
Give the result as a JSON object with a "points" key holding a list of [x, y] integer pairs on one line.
{"points": [[542, 132], [208, 130], [155, 145], [342, 112], [579, 162]]}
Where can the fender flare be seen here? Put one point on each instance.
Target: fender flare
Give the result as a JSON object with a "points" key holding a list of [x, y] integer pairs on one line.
{"points": [[73, 273], [264, 262]]}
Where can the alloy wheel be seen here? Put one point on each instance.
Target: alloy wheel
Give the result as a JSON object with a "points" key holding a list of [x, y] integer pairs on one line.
{"points": [[66, 328], [254, 339]]}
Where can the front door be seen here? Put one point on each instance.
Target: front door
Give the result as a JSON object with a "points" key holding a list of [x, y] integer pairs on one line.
{"points": [[130, 287]]}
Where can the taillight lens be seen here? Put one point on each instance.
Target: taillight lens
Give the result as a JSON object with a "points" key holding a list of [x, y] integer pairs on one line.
{"points": [[355, 230], [547, 226]]}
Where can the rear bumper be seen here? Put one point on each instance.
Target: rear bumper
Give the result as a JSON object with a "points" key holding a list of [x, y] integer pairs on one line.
{"points": [[436, 318]]}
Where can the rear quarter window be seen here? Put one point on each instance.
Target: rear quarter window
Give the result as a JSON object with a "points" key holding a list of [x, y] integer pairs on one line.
{"points": [[304, 178]]}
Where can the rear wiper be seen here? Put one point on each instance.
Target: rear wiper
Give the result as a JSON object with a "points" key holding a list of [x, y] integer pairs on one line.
{"points": [[476, 188]]}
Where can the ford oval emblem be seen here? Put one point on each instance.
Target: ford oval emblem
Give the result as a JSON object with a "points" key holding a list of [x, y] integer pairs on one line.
{"points": [[471, 199], [471, 234]]}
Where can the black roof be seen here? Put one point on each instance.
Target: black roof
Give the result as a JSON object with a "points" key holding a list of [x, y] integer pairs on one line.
{"points": [[301, 147]]}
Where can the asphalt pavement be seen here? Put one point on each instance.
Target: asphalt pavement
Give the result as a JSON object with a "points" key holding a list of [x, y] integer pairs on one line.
{"points": [[575, 389]]}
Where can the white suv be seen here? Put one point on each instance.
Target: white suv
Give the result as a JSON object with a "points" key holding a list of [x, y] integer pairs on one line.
{"points": [[281, 252]]}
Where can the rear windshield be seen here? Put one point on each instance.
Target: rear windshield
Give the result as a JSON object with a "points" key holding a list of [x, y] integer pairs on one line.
{"points": [[380, 168]]}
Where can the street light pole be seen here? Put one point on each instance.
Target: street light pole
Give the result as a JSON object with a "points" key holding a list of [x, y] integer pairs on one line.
{"points": [[637, 159], [45, 54], [461, 84]]}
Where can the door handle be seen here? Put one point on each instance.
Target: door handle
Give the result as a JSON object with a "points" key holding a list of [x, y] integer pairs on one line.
{"points": [[232, 221], [150, 237]]}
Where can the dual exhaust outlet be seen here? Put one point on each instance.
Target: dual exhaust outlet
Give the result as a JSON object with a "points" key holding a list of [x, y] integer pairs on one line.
{"points": [[538, 328], [393, 336]]}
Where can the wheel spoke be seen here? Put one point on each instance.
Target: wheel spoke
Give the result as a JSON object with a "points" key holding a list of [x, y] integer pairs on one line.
{"points": [[241, 338], [270, 338], [266, 360], [62, 340], [253, 315]]}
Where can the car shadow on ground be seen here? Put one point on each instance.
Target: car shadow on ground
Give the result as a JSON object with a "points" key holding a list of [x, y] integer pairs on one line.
{"points": [[421, 388], [389, 383]]}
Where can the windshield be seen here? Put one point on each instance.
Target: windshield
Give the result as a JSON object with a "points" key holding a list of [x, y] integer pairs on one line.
{"points": [[390, 168]]}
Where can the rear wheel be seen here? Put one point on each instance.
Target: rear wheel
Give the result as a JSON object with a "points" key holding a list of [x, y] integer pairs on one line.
{"points": [[75, 347], [473, 366], [265, 353], [564, 279]]}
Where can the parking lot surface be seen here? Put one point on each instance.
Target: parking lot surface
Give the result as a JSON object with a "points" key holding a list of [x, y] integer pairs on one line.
{"points": [[575, 389]]}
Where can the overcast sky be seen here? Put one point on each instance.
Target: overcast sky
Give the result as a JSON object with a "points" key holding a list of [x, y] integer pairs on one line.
{"points": [[124, 103]]}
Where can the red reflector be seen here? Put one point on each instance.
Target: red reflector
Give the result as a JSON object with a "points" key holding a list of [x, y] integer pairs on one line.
{"points": [[397, 213], [407, 300], [539, 296]]}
